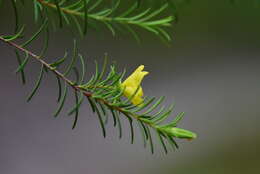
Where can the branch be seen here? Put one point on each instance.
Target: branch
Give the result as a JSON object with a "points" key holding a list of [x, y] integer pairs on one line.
{"points": [[72, 84], [45, 64], [83, 11], [103, 95]]}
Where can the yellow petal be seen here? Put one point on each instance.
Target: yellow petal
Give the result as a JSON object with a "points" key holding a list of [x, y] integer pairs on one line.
{"points": [[136, 77], [131, 84]]}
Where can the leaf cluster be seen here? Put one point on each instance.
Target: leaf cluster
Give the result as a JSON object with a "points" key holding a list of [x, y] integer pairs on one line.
{"points": [[103, 90], [86, 14]]}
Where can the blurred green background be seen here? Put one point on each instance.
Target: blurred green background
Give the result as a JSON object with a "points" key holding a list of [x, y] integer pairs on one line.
{"points": [[210, 70]]}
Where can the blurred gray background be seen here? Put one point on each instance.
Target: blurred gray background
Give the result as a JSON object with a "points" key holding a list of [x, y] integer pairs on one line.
{"points": [[210, 70]]}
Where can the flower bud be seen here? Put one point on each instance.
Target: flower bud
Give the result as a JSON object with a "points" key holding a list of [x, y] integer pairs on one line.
{"points": [[178, 133]]}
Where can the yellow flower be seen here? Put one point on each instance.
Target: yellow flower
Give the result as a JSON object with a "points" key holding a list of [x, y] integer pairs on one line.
{"points": [[131, 84]]}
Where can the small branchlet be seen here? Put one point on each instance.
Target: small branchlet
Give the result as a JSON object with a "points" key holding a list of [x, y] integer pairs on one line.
{"points": [[105, 95], [89, 13], [103, 91]]}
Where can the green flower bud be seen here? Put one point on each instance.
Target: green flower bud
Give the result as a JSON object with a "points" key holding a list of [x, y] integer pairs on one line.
{"points": [[178, 133]]}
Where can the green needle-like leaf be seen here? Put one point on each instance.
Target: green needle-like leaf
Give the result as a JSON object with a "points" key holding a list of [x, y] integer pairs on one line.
{"points": [[119, 125], [100, 121], [36, 85], [59, 61], [23, 64], [73, 60], [63, 98], [150, 139], [36, 34], [143, 132], [16, 15], [13, 37], [162, 142], [59, 87], [59, 12], [22, 71], [77, 105], [104, 89]]}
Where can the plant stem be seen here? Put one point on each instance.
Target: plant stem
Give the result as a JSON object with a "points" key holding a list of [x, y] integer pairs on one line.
{"points": [[70, 83], [122, 20], [37, 58]]}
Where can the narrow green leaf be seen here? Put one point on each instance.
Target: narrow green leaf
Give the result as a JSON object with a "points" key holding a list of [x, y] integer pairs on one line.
{"points": [[130, 10], [59, 12], [59, 61], [76, 109], [35, 35], [98, 93], [62, 2], [144, 105], [46, 43], [63, 98], [38, 82], [66, 19], [87, 85], [165, 34], [73, 60], [110, 93], [23, 64], [96, 4], [101, 121], [96, 77], [172, 142], [102, 106], [163, 116], [143, 132], [151, 29], [71, 6], [18, 34], [83, 69], [162, 142], [78, 102], [16, 15], [164, 22], [78, 26], [109, 26], [118, 124], [156, 12], [59, 87], [117, 96], [76, 72], [114, 116], [20, 62], [136, 17], [36, 10], [131, 128], [137, 38], [176, 120], [109, 78], [102, 13], [152, 108], [92, 104], [103, 68], [158, 113], [118, 78], [150, 138], [173, 8]]}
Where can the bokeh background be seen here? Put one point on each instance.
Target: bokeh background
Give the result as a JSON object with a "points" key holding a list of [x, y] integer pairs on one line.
{"points": [[210, 70]]}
